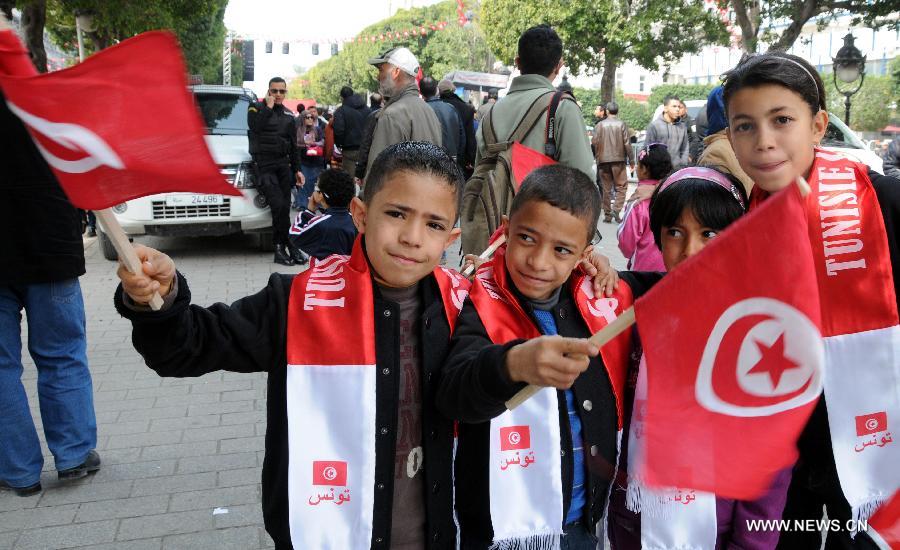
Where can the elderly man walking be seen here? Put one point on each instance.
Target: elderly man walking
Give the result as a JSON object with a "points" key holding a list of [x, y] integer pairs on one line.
{"points": [[405, 116], [612, 150]]}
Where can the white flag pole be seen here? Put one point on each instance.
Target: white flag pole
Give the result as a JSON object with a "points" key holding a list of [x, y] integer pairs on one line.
{"points": [[127, 255], [488, 252]]}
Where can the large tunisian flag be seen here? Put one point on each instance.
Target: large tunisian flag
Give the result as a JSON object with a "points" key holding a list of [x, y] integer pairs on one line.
{"points": [[734, 356], [118, 126]]}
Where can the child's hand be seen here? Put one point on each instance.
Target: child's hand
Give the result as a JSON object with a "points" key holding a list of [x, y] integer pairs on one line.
{"points": [[158, 272], [471, 260], [606, 279], [549, 361]]}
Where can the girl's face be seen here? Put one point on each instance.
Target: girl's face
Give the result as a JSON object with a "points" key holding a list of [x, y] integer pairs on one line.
{"points": [[684, 239], [773, 134]]}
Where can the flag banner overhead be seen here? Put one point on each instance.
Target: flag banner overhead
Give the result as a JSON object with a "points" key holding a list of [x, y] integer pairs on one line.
{"points": [[735, 356], [118, 126]]}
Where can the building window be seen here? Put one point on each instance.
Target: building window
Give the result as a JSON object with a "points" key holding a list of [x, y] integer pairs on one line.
{"points": [[315, 49], [286, 48], [269, 46], [334, 49], [641, 83]]}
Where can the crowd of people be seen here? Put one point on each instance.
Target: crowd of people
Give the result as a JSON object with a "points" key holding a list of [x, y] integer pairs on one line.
{"points": [[389, 374]]}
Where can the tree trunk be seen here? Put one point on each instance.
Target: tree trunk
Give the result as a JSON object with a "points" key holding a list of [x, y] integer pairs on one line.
{"points": [[608, 80], [747, 13], [34, 17], [803, 13]]}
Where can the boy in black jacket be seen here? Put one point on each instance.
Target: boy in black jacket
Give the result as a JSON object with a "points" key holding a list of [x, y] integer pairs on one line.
{"points": [[528, 476], [357, 456], [329, 231]]}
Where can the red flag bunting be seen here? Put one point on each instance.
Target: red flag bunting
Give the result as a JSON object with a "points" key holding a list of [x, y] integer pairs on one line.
{"points": [[734, 356], [120, 125]]}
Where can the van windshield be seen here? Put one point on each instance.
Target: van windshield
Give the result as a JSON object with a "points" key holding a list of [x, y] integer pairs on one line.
{"points": [[223, 113]]}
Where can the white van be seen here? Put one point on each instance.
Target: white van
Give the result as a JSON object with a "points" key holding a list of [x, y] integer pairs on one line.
{"points": [[224, 111]]}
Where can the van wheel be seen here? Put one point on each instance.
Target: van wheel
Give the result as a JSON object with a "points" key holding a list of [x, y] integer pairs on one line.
{"points": [[264, 241], [106, 245]]}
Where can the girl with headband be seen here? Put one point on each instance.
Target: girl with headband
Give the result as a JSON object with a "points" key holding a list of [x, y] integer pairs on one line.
{"points": [[691, 207], [775, 105]]}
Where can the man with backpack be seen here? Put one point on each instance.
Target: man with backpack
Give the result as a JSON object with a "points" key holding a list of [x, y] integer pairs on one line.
{"points": [[522, 115]]}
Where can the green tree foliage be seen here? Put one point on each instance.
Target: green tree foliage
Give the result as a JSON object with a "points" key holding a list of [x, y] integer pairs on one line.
{"points": [[683, 91], [198, 24], [635, 114], [894, 71], [870, 108], [602, 34], [765, 19], [438, 52]]}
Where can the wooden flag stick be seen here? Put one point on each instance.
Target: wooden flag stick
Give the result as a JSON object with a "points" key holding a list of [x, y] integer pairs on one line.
{"points": [[126, 252], [488, 252], [600, 339]]}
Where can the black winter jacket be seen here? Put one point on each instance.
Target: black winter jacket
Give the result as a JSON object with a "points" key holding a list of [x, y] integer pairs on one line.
{"points": [[273, 135], [349, 122], [474, 388], [250, 335], [41, 229], [467, 114]]}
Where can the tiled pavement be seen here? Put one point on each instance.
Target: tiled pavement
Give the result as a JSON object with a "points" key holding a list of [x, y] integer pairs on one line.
{"points": [[181, 457]]}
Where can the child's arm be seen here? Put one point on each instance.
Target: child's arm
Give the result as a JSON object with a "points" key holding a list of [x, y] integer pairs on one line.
{"points": [[479, 376], [189, 340], [631, 230]]}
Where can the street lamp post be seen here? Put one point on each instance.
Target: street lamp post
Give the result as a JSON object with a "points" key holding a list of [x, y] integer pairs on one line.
{"points": [[84, 22], [849, 65]]}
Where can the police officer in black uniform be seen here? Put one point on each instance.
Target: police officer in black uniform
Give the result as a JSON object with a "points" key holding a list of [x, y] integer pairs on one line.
{"points": [[272, 134]]}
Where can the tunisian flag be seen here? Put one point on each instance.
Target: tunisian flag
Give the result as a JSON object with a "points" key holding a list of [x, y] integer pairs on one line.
{"points": [[120, 125], [734, 355]]}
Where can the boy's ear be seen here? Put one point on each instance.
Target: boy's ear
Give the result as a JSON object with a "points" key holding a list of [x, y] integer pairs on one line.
{"points": [[586, 253], [358, 211], [451, 238], [504, 223]]}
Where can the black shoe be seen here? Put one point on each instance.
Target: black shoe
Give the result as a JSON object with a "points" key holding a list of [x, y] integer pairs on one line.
{"points": [[92, 232], [607, 219], [90, 465], [22, 491], [617, 218], [299, 257], [282, 257]]}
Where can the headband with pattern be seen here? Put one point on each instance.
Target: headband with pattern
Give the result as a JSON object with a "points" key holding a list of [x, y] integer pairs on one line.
{"points": [[707, 174]]}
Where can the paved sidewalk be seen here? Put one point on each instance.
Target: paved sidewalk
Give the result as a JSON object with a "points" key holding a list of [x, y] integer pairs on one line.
{"points": [[181, 457]]}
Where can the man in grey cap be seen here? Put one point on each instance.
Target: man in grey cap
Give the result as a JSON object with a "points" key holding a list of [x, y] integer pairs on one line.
{"points": [[405, 117]]}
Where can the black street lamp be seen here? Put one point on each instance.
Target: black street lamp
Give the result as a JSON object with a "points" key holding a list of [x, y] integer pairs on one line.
{"points": [[849, 65]]}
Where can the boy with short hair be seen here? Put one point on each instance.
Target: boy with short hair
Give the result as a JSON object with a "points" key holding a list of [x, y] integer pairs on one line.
{"points": [[357, 456], [527, 476], [331, 231]]}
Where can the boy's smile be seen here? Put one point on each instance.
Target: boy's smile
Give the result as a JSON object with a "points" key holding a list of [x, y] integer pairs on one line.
{"points": [[544, 244], [407, 225]]}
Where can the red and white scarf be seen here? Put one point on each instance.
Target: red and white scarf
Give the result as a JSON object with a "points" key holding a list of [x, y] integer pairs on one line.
{"points": [[526, 493], [860, 327], [670, 517], [331, 399]]}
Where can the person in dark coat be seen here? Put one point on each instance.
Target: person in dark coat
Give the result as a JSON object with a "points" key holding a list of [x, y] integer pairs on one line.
{"points": [[467, 115], [43, 256], [349, 123], [452, 131], [325, 226]]}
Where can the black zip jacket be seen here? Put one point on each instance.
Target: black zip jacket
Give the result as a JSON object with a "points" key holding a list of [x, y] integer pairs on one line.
{"points": [[250, 335], [474, 389], [272, 134], [41, 229], [349, 122], [467, 114]]}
